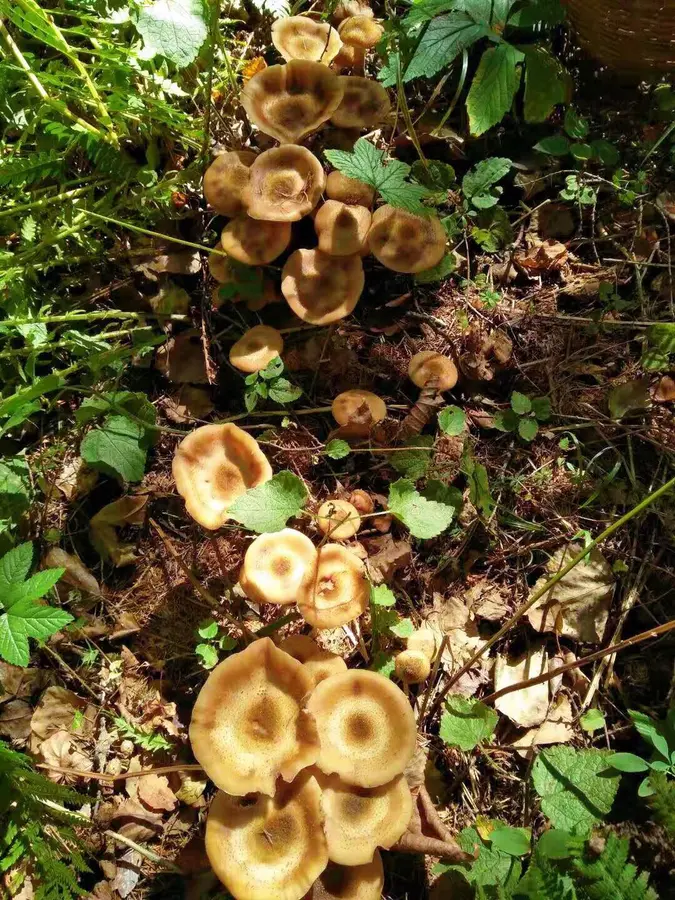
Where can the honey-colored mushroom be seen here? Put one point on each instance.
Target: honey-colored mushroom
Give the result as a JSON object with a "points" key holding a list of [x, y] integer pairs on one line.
{"points": [[322, 289], [349, 58], [404, 242], [360, 31], [256, 348], [412, 666], [342, 230], [320, 664], [225, 180], [429, 366], [349, 882], [362, 501], [279, 568], [347, 8], [285, 184], [424, 641], [255, 243], [349, 407], [348, 190], [338, 519], [365, 103], [341, 589], [299, 37], [219, 266]]}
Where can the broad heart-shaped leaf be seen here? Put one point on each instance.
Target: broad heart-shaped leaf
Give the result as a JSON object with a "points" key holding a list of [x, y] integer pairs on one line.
{"points": [[381, 595], [493, 87], [528, 429], [555, 145], [547, 83], [520, 403], [116, 448], [337, 449], [466, 722], [514, 841], [478, 183], [425, 514], [174, 29], [445, 38], [15, 566], [492, 866], [270, 505]]}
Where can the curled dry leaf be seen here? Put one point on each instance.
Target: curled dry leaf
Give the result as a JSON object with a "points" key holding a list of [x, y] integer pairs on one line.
{"points": [[191, 790], [387, 557], [154, 791], [664, 390], [61, 710], [528, 706], [450, 618], [75, 479], [543, 256], [63, 751], [188, 404], [19, 683], [125, 511], [137, 822], [76, 574], [15, 719], [556, 729], [182, 359], [486, 601]]}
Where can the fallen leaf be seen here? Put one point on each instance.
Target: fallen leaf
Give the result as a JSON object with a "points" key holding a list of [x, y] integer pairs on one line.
{"points": [[175, 262], [15, 719], [127, 510], [127, 874], [75, 479], [191, 790], [101, 891], [629, 396], [170, 300], [137, 822], [557, 729], [61, 710], [154, 791], [543, 256], [19, 683], [555, 220], [486, 601], [527, 706], [664, 390], [450, 618], [131, 784], [76, 574], [387, 557], [182, 359], [188, 404], [500, 345], [61, 750], [415, 770]]}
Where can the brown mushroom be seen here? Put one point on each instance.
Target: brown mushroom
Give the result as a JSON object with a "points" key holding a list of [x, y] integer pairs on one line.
{"points": [[347, 8], [338, 519], [279, 568], [349, 190], [362, 501], [320, 664], [423, 640], [404, 242], [225, 180], [253, 242], [350, 882], [181, 359], [360, 31], [299, 37], [412, 666], [349, 57], [341, 589], [256, 348], [365, 103], [285, 184], [291, 101], [213, 466], [349, 407], [429, 366], [342, 230], [219, 266], [322, 289]]}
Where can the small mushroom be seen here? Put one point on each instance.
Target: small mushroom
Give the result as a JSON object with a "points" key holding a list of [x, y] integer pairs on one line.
{"points": [[320, 664], [225, 180], [428, 365], [249, 725], [367, 727], [299, 37], [342, 230], [349, 407], [219, 266], [349, 190], [338, 519], [365, 103], [285, 184], [423, 640], [289, 102], [350, 882], [404, 242], [349, 58], [253, 242], [362, 501], [341, 589], [256, 348], [360, 31], [347, 8], [279, 568], [412, 666], [268, 847], [319, 288], [213, 466]]}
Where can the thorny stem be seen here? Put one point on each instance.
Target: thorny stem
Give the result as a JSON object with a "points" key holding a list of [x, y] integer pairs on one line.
{"points": [[65, 344], [45, 201]]}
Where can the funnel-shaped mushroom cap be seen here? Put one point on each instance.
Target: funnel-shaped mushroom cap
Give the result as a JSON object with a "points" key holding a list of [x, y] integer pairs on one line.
{"points": [[349, 405], [360, 31], [348, 8], [340, 589], [289, 102], [319, 288], [342, 230], [428, 365], [367, 728], [404, 242], [248, 725], [364, 103], [423, 640], [255, 243], [225, 180], [268, 848], [412, 666], [299, 37], [219, 266], [213, 466], [348, 190], [350, 882], [285, 184], [256, 348], [279, 568], [320, 664], [359, 820], [338, 519]]}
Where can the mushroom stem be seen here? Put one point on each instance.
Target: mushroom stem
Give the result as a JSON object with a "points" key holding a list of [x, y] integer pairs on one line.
{"points": [[420, 843], [432, 816]]}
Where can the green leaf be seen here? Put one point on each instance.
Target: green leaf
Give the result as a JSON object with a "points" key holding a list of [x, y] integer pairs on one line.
{"points": [[136, 403], [413, 464], [493, 230], [538, 14], [383, 663], [505, 420], [31, 19], [15, 566], [174, 29], [425, 518], [493, 87], [116, 449], [272, 370], [15, 488], [452, 420], [541, 407], [478, 185], [479, 485], [436, 175], [593, 720], [513, 841], [492, 865], [528, 429], [556, 844], [581, 151], [466, 722], [444, 39], [337, 449], [270, 505], [282, 391], [208, 655], [627, 762], [438, 272], [32, 589], [662, 337], [651, 731], [547, 83], [576, 126], [520, 403], [207, 629], [403, 628], [382, 595], [607, 153], [555, 145], [629, 396], [610, 876]]}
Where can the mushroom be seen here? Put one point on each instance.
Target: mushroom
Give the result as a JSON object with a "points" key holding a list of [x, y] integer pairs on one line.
{"points": [[404, 242], [367, 728], [225, 180], [248, 724], [286, 184], [268, 847], [350, 882], [428, 365], [338, 519], [320, 664], [181, 359], [359, 820], [352, 407], [299, 37], [349, 57], [319, 288], [291, 101], [360, 31], [362, 501], [279, 568], [364, 103], [347, 8], [256, 348], [255, 243], [213, 466], [219, 266], [423, 640], [341, 589], [349, 190], [342, 230], [412, 666]]}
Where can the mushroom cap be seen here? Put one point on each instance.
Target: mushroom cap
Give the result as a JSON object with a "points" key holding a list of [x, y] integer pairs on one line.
{"points": [[359, 820], [364, 103], [349, 404], [348, 190], [213, 466], [423, 640], [350, 882], [341, 589], [412, 666], [349, 57], [299, 37], [285, 184], [319, 288], [404, 242], [253, 242], [347, 8], [289, 102], [219, 266], [256, 348], [225, 180], [268, 847], [248, 724], [278, 568], [320, 664], [427, 365], [342, 230], [367, 728], [338, 519], [360, 31], [362, 501]]}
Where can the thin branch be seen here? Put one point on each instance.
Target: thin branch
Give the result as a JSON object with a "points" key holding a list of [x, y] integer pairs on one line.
{"points": [[104, 776]]}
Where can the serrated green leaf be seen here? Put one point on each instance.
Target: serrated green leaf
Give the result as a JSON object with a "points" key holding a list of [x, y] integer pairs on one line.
{"points": [[15, 566], [282, 391], [208, 655], [592, 720], [31, 19], [493, 87], [547, 83], [441, 270], [520, 403], [444, 39], [116, 449], [491, 866], [541, 407], [528, 429], [493, 230], [269, 506], [15, 488], [383, 663], [505, 420], [478, 185], [413, 464], [28, 229], [208, 629], [555, 145], [337, 449], [272, 370], [31, 589], [382, 595], [425, 518], [174, 29], [512, 841], [466, 722]]}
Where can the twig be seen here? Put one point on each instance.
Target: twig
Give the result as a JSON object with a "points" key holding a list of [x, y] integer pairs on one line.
{"points": [[420, 843], [148, 854], [433, 818], [104, 776]]}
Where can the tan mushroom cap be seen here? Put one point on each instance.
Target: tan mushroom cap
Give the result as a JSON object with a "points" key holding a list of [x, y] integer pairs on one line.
{"points": [[338, 519], [342, 230], [412, 666], [350, 882], [253, 242], [248, 724], [362, 500], [423, 640], [219, 266], [213, 466], [299, 37], [360, 31], [349, 57], [359, 820], [320, 664], [348, 8], [322, 289], [341, 589], [289, 102], [364, 103], [268, 847], [347, 406], [279, 568], [225, 180], [404, 242], [367, 728], [428, 365], [286, 184], [256, 348], [349, 190]]}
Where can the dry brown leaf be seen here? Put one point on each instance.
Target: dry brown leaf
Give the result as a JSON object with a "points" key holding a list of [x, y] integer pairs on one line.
{"points": [[15, 719], [154, 791], [75, 479], [76, 574], [101, 891], [664, 390], [174, 262], [62, 751], [182, 359], [528, 706], [131, 784], [191, 790], [543, 256], [555, 220], [486, 601], [451, 618], [19, 683], [137, 822], [127, 874], [252, 67], [557, 729], [59, 710], [387, 557], [188, 404], [127, 510]]}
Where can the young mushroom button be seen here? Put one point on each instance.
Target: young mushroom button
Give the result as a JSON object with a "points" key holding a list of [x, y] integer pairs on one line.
{"points": [[299, 37], [279, 568], [322, 289], [340, 592], [342, 230], [350, 406], [428, 365], [285, 184], [225, 181], [404, 242], [360, 31], [412, 666], [256, 348], [350, 882], [338, 519]]}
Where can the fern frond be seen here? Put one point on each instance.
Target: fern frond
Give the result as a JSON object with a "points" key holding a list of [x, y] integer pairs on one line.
{"points": [[27, 170], [611, 876], [662, 801]]}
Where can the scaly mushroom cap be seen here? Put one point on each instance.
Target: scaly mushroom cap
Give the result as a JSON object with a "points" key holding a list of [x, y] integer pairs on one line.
{"points": [[342, 230], [268, 847], [412, 666], [285, 184], [213, 466], [340, 589], [360, 31], [348, 8], [320, 664], [255, 243], [299, 37], [359, 820], [423, 640], [291, 101], [404, 242], [279, 568], [349, 58], [364, 103], [338, 519], [225, 180], [349, 404], [367, 728], [219, 266], [322, 289], [428, 365], [350, 882], [256, 348], [248, 724], [349, 190]]}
